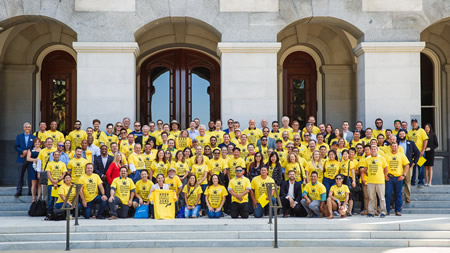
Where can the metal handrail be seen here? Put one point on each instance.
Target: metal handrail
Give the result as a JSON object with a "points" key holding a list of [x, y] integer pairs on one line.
{"points": [[68, 209], [269, 187]]}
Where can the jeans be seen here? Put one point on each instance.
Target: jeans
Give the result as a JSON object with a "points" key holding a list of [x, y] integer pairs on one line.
{"points": [[394, 185], [121, 210], [214, 214], [137, 176], [421, 174], [313, 207], [259, 211], [188, 213], [328, 183], [96, 200], [21, 169], [51, 200]]}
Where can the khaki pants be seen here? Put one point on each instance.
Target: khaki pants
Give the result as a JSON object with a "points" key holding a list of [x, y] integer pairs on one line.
{"points": [[408, 184], [374, 190], [366, 197]]}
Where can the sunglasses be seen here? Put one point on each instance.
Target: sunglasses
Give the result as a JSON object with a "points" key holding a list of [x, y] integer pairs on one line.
{"points": [[238, 170], [339, 178], [60, 145], [296, 139], [217, 153], [307, 135]]}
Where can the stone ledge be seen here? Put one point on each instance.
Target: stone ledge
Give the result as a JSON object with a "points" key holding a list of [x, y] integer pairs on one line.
{"points": [[249, 6], [106, 47], [105, 5], [257, 47], [388, 47]]}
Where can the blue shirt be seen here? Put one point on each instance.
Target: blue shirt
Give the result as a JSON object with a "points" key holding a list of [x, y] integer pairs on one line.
{"points": [[63, 158], [27, 138], [403, 145]]}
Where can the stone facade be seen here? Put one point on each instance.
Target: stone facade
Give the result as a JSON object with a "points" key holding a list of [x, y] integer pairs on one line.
{"points": [[367, 54]]}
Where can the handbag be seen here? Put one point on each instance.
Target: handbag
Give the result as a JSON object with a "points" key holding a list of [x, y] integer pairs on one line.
{"points": [[37, 208], [43, 179], [141, 212], [56, 214]]}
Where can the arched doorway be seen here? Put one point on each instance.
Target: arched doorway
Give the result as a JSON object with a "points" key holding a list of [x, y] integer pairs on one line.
{"points": [[180, 84], [427, 83], [58, 90], [299, 87]]}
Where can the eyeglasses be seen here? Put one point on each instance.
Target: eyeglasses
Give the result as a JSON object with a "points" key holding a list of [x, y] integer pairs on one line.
{"points": [[339, 178], [230, 122], [217, 153], [296, 139], [306, 135], [60, 145], [264, 139]]}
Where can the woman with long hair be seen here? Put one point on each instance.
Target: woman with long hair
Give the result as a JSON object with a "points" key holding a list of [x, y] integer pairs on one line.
{"points": [[181, 166], [429, 154], [201, 171], [159, 165], [293, 164], [331, 169], [329, 134], [347, 169], [207, 152], [68, 149], [114, 168], [338, 198], [117, 127], [215, 195], [183, 141], [192, 195], [316, 164], [33, 176], [255, 166], [275, 169]]}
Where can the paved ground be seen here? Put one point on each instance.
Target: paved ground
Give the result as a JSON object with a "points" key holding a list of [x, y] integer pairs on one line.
{"points": [[259, 250]]}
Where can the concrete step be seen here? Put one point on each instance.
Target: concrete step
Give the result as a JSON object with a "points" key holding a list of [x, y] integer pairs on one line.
{"points": [[431, 189], [225, 243], [12, 199], [11, 191], [232, 235], [13, 213], [426, 211], [428, 204], [15, 206], [429, 197]]}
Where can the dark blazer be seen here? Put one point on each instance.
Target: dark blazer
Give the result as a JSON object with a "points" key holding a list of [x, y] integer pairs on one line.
{"points": [[98, 165], [21, 146], [412, 152], [297, 190], [432, 141], [139, 140]]}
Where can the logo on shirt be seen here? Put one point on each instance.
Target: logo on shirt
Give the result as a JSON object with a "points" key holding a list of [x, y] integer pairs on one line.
{"points": [[181, 165], [313, 190], [78, 136], [234, 163], [124, 182], [239, 183], [56, 167], [109, 140], [148, 159], [90, 181], [54, 136], [214, 192], [217, 165], [78, 164], [144, 188], [139, 159], [394, 158]]}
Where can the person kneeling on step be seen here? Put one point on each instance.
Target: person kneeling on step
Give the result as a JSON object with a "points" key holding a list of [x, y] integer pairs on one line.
{"points": [[314, 197], [122, 194], [91, 183], [337, 202]]}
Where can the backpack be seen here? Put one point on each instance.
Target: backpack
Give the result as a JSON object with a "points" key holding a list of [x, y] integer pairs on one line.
{"points": [[38, 208], [56, 214]]}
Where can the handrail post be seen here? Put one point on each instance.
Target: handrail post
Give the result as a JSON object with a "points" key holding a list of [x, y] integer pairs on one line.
{"points": [[269, 187], [65, 207], [67, 230], [76, 203], [269, 194]]}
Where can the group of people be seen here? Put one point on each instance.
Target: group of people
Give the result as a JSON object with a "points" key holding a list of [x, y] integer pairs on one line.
{"points": [[315, 171]]}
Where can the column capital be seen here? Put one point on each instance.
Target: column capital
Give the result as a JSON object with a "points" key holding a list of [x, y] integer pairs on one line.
{"points": [[248, 47], [447, 68], [106, 47], [388, 47]]}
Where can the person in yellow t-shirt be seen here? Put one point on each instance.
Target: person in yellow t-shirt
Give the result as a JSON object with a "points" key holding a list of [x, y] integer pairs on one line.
{"points": [[41, 134], [375, 175], [77, 166], [122, 194], [275, 132], [173, 181], [181, 166], [253, 133], [55, 173], [215, 197], [295, 130], [238, 188], [136, 163], [203, 138], [56, 135], [192, 196], [63, 191], [398, 166], [77, 135], [234, 162], [331, 169], [259, 188], [108, 137], [143, 186], [44, 155], [294, 165], [243, 146], [314, 197], [420, 138], [91, 183], [338, 198], [201, 171], [217, 165], [128, 147], [159, 166], [378, 128], [316, 165], [183, 141]]}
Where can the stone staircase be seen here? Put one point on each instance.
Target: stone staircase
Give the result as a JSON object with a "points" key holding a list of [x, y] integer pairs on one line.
{"points": [[426, 200], [26, 233]]}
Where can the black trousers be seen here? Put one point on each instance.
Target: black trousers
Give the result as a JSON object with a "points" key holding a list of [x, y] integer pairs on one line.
{"points": [[239, 209], [298, 210]]}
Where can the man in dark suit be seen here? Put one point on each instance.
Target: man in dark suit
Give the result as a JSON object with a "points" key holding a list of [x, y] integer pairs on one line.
{"points": [[145, 136], [413, 155], [290, 196], [101, 165], [23, 143]]}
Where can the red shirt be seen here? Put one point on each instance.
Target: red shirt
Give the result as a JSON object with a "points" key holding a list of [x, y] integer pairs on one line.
{"points": [[113, 172]]}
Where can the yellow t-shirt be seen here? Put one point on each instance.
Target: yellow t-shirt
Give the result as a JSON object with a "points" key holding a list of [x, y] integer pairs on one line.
{"points": [[376, 132], [417, 136], [127, 149], [323, 144], [265, 154], [253, 135], [233, 163], [174, 135], [159, 168], [307, 155], [143, 189], [203, 140], [148, 159], [200, 171], [259, 186], [275, 136], [345, 169], [42, 136], [396, 163], [174, 183], [137, 160], [76, 168], [182, 143], [56, 137], [123, 187], [218, 135], [353, 143], [217, 166], [215, 195], [315, 192], [107, 139], [90, 186], [248, 161], [192, 195], [64, 189], [375, 169], [339, 192], [44, 155], [331, 169], [292, 134], [311, 167], [76, 137], [239, 185], [315, 130], [180, 167], [299, 171], [56, 170], [244, 150]]}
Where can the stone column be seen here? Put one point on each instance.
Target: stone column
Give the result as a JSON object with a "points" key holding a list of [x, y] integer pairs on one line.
{"points": [[388, 81], [249, 81], [106, 81]]}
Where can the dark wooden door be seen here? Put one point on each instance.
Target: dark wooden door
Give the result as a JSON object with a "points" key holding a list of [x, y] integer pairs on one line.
{"points": [[58, 90], [299, 87], [178, 84]]}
